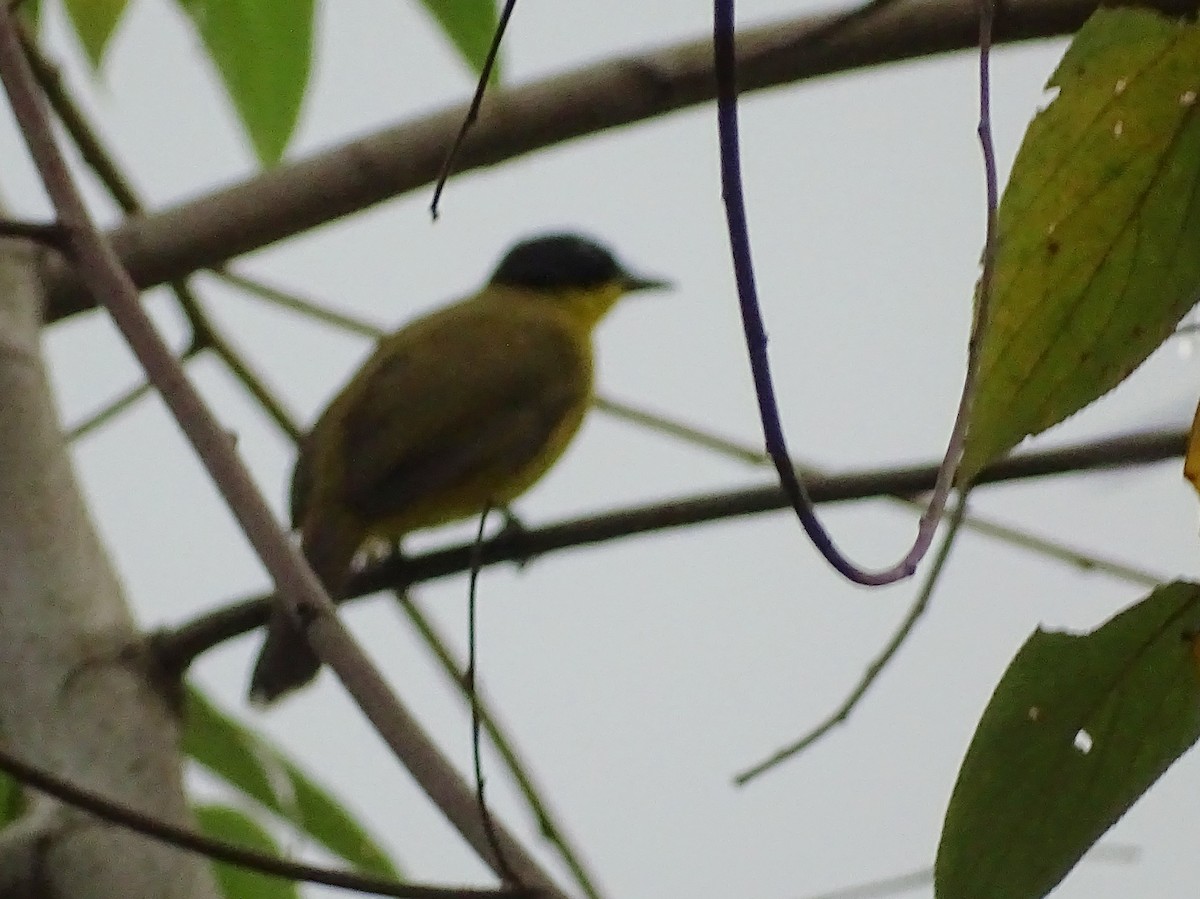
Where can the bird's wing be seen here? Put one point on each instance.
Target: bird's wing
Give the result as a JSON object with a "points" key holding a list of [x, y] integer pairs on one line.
{"points": [[456, 406], [302, 480]]}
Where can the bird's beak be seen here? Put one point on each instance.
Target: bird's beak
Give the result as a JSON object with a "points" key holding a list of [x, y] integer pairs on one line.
{"points": [[632, 283]]}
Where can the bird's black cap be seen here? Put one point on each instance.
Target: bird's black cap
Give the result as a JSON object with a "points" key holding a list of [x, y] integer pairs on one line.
{"points": [[562, 261]]}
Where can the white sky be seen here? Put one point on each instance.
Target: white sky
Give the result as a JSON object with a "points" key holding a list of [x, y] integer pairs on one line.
{"points": [[638, 676]]}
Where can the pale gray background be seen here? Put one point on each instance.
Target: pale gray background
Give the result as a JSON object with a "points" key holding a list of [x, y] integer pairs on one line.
{"points": [[639, 675]]}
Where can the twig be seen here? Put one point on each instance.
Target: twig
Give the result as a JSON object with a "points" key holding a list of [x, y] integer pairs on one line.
{"points": [[756, 342], [206, 335], [85, 138], [681, 431], [469, 680], [292, 301], [1113, 853], [469, 119], [887, 886], [899, 638], [550, 829], [117, 813], [49, 234], [110, 410]]}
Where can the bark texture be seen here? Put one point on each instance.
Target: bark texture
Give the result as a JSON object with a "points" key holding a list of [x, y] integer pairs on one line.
{"points": [[75, 697]]}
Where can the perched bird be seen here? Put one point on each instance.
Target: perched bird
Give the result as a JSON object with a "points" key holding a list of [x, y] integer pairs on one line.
{"points": [[462, 409]]}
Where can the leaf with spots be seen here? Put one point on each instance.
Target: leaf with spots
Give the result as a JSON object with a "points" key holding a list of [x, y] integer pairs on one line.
{"points": [[1079, 727], [1098, 237]]}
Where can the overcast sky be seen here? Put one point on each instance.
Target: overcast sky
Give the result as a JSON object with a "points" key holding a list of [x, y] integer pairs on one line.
{"points": [[639, 675]]}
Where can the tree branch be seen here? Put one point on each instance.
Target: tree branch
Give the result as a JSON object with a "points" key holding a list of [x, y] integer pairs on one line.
{"points": [[114, 812], [180, 646], [73, 692], [291, 199]]}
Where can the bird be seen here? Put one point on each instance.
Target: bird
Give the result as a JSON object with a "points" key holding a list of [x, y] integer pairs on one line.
{"points": [[459, 411]]}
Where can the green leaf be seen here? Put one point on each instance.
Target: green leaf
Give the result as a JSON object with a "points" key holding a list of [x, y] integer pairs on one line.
{"points": [[95, 21], [1098, 253], [225, 823], [262, 51], [31, 11], [247, 762], [469, 25], [1078, 728], [12, 801]]}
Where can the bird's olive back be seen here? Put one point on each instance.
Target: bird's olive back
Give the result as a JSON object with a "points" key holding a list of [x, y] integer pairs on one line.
{"points": [[557, 262]]}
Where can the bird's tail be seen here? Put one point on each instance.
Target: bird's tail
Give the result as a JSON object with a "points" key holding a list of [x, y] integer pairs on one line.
{"points": [[286, 661]]}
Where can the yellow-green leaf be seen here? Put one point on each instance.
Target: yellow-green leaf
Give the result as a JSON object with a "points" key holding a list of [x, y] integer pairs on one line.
{"points": [[1078, 728], [469, 25], [262, 773], [1191, 459], [12, 800], [94, 22], [233, 826], [1098, 253], [263, 52], [30, 11]]}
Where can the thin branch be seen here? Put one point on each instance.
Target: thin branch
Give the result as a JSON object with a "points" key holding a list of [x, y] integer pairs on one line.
{"points": [[469, 682], [218, 850], [979, 524], [472, 115], [101, 270], [550, 829], [1063, 552], [115, 407], [50, 235], [1112, 853], [756, 342], [680, 430], [207, 335], [293, 302], [875, 669], [887, 886], [1123, 451], [293, 198], [85, 138]]}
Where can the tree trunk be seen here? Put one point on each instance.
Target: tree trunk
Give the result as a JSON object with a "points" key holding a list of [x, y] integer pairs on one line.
{"points": [[75, 695]]}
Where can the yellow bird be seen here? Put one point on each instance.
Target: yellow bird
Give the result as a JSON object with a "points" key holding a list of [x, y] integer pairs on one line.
{"points": [[462, 409]]}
